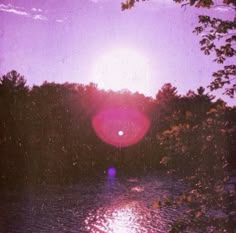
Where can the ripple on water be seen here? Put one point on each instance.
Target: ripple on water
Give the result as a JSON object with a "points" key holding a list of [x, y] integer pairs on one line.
{"points": [[118, 205], [128, 217]]}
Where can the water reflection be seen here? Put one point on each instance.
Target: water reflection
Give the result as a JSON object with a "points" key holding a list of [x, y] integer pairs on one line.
{"points": [[123, 218], [119, 213], [113, 204]]}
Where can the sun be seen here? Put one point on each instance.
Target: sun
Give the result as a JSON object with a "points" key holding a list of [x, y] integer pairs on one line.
{"points": [[122, 68]]}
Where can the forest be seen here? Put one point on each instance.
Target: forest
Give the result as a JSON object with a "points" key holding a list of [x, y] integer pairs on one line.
{"points": [[78, 158], [46, 134], [47, 138]]}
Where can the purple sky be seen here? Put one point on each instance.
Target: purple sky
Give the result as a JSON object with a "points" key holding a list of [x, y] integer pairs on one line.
{"points": [[57, 40]]}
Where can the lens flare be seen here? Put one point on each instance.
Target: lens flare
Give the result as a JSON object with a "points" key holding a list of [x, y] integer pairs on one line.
{"points": [[111, 171], [120, 133], [119, 126]]}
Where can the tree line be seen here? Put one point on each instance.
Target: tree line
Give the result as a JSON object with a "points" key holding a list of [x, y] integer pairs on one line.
{"points": [[46, 135]]}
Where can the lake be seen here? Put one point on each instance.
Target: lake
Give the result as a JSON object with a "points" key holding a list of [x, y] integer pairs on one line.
{"points": [[122, 204]]}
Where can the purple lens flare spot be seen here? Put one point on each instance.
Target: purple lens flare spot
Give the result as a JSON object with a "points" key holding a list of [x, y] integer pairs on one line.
{"points": [[111, 171]]}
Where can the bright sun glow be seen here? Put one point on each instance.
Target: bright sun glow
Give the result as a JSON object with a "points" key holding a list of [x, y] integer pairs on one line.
{"points": [[121, 69]]}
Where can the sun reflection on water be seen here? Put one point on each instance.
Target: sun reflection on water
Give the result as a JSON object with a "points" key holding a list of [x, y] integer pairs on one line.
{"points": [[121, 219], [124, 218], [127, 209]]}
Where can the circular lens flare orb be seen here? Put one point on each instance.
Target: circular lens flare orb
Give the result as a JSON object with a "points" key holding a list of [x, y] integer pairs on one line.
{"points": [[119, 126], [111, 171]]}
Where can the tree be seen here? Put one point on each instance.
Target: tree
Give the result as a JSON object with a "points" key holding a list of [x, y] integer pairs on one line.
{"points": [[199, 151], [167, 93], [166, 106], [13, 138], [218, 37]]}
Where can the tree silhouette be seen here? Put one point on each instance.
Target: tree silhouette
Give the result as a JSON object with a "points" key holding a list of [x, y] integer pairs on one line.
{"points": [[13, 137], [46, 135]]}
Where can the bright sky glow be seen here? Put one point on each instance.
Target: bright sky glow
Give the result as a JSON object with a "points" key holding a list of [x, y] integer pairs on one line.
{"points": [[94, 41], [122, 68]]}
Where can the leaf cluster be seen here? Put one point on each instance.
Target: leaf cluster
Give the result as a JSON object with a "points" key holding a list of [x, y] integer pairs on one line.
{"points": [[198, 151], [218, 37]]}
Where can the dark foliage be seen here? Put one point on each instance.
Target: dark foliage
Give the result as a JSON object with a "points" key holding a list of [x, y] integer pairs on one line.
{"points": [[46, 133], [46, 137]]}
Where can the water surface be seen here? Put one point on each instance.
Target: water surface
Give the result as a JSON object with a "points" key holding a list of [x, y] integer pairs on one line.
{"points": [[107, 204]]}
